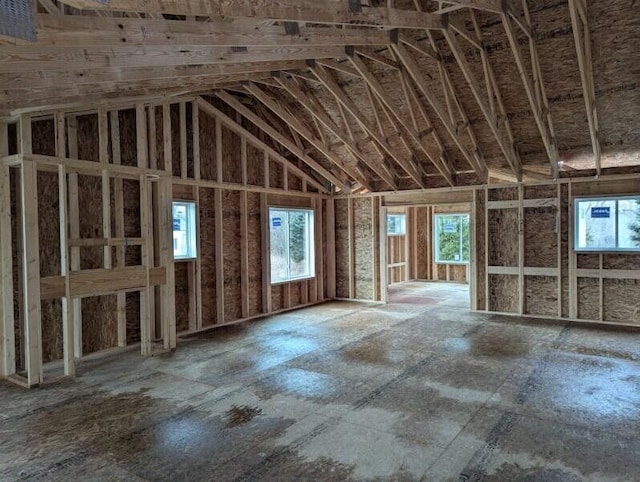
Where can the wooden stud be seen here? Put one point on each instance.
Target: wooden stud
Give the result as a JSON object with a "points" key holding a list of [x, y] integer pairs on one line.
{"points": [[521, 250], [153, 148], [487, 306], [167, 291], [195, 126], [559, 243], [7, 329], [330, 260], [198, 262], [166, 137], [183, 140], [573, 278], [146, 305], [219, 246], [244, 254], [74, 230], [351, 253], [267, 306], [219, 160], [383, 248], [118, 196]]}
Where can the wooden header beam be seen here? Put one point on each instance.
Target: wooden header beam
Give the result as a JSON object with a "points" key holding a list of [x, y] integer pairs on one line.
{"points": [[310, 11]]}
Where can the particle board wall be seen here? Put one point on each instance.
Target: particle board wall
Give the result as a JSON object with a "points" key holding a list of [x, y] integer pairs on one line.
{"points": [[550, 284], [343, 241]]}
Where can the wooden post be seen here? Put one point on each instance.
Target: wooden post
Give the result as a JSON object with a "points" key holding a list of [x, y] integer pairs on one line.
{"points": [[153, 150], [330, 261], [473, 262], [266, 254], [195, 127], [521, 240], [7, 329], [118, 196], [351, 239], [559, 241], [218, 130], [219, 246], [31, 259], [145, 294], [487, 249], [167, 291], [74, 231], [573, 279], [244, 254], [383, 251], [183, 140], [166, 137]]}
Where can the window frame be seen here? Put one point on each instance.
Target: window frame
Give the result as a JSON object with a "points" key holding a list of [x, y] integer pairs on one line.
{"points": [[192, 230], [436, 242], [576, 219], [311, 248], [403, 224]]}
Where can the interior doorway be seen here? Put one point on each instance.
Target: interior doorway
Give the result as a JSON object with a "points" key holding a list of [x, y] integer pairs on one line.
{"points": [[429, 254]]}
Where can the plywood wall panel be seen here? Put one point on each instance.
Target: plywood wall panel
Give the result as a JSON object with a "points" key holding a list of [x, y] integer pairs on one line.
{"points": [[232, 265], [621, 301], [208, 254], [588, 299], [182, 296], [254, 246], [342, 248], [541, 295], [503, 293], [503, 237], [540, 238], [364, 248]]}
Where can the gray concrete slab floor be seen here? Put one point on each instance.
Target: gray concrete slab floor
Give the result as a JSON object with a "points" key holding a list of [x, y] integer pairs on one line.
{"points": [[419, 389]]}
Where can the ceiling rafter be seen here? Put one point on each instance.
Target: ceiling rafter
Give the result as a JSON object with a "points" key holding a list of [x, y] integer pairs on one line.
{"points": [[277, 109], [311, 104], [332, 85], [417, 76], [382, 94], [255, 141], [582, 38]]}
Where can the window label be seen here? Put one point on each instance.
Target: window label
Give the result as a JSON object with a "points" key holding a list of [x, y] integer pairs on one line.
{"points": [[450, 228], [600, 212], [276, 222], [176, 225]]}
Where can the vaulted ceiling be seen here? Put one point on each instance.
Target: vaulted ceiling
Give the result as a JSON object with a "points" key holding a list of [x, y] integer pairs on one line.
{"points": [[373, 95]]}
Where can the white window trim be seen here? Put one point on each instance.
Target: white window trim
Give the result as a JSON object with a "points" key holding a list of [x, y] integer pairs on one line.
{"points": [[190, 226], [575, 201], [311, 244], [436, 243]]}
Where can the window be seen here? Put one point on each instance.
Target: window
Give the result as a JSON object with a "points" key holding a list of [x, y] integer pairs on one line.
{"points": [[451, 238], [607, 223], [292, 249], [396, 224], [184, 230]]}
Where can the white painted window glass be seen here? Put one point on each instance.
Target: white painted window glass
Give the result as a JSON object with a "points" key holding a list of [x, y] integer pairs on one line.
{"points": [[291, 244], [184, 230]]}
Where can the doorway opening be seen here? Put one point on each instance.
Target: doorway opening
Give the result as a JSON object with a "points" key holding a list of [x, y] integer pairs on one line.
{"points": [[429, 254]]}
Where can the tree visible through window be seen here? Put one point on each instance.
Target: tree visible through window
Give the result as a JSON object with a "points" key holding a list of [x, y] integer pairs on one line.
{"points": [[184, 230], [292, 249], [451, 235], [607, 224]]}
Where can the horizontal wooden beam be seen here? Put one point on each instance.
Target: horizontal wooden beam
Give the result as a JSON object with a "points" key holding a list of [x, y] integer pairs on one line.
{"points": [[21, 58], [98, 282], [311, 11], [75, 30], [488, 5]]}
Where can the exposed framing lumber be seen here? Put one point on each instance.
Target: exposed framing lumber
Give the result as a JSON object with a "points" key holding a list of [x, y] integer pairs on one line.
{"points": [[69, 30], [582, 38], [506, 147], [417, 76], [341, 96], [267, 306], [244, 254], [167, 291], [488, 5], [330, 253], [382, 94], [309, 11], [7, 329], [535, 91], [238, 129], [219, 257], [319, 113], [281, 139]]}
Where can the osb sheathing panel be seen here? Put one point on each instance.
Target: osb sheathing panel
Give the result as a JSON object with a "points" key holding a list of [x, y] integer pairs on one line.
{"points": [[277, 297], [588, 299], [255, 166], [275, 175], [255, 253], [208, 255], [128, 137], [588, 260], [231, 165], [207, 147], [480, 248], [175, 139], [17, 300], [540, 238], [541, 295], [503, 293], [541, 191], [564, 233], [620, 261], [182, 296], [232, 255], [458, 273], [364, 247], [503, 237], [621, 301], [99, 323], [342, 247], [503, 194]]}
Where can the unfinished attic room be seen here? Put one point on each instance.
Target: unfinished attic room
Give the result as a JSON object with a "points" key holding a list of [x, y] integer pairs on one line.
{"points": [[320, 240]]}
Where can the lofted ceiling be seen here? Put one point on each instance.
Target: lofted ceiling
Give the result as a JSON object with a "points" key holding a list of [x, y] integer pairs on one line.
{"points": [[373, 95]]}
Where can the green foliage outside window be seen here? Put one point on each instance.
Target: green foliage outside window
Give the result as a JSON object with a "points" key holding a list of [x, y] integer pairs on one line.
{"points": [[452, 238]]}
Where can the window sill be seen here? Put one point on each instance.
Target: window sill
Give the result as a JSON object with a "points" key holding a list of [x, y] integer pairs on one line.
{"points": [[184, 260], [292, 280]]}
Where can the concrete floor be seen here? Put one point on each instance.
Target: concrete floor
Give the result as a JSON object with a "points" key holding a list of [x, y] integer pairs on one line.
{"points": [[345, 391]]}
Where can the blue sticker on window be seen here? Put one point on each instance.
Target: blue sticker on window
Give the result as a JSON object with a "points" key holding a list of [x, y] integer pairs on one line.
{"points": [[450, 228], [276, 222], [601, 212], [176, 224]]}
